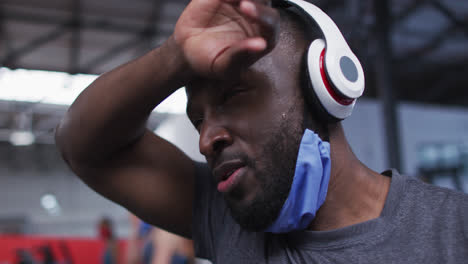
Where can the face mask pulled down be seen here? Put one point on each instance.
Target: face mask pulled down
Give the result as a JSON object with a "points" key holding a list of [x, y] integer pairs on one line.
{"points": [[309, 187]]}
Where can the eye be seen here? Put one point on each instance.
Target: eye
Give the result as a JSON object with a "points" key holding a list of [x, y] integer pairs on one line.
{"points": [[232, 92], [197, 123]]}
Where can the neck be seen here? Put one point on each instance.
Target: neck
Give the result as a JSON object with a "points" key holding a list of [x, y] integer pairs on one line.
{"points": [[355, 193]]}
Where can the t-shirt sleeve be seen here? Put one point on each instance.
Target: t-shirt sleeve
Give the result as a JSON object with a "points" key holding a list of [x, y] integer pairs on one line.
{"points": [[202, 229]]}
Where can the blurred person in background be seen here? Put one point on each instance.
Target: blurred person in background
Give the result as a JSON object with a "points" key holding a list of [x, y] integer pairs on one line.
{"points": [[171, 249], [110, 253], [139, 243], [47, 255], [23, 256], [150, 245]]}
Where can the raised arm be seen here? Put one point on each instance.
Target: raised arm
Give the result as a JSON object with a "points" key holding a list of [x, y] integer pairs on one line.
{"points": [[104, 140], [103, 136]]}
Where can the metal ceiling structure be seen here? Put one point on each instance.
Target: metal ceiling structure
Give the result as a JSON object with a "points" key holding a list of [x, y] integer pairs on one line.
{"points": [[81, 35], [412, 50], [429, 38], [41, 119]]}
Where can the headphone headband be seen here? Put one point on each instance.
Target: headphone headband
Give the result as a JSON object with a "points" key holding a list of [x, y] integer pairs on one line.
{"points": [[330, 31]]}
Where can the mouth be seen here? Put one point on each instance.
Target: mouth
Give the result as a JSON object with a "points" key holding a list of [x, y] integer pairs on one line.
{"points": [[228, 174]]}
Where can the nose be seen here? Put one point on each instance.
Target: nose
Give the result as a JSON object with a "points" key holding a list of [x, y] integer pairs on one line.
{"points": [[213, 139]]}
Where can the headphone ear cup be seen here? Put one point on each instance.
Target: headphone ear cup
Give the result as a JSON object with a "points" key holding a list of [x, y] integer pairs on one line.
{"points": [[312, 101], [322, 97]]}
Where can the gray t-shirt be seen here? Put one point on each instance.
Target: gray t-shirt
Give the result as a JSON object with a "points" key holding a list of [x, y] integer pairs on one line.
{"points": [[420, 223]]}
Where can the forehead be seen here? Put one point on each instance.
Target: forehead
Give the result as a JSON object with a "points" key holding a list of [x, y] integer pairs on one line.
{"points": [[276, 70], [257, 73], [201, 90]]}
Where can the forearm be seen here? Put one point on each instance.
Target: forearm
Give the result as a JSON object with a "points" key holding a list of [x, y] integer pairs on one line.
{"points": [[112, 112]]}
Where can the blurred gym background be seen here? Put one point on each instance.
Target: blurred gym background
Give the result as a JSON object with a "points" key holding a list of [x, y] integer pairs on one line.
{"points": [[413, 117]]}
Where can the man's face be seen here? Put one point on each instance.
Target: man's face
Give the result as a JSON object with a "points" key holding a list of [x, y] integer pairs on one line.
{"points": [[250, 130]]}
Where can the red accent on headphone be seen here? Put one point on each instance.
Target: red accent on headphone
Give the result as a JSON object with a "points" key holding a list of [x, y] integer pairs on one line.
{"points": [[340, 99]]}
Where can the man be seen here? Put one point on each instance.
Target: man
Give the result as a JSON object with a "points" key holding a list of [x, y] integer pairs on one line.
{"points": [[241, 61]]}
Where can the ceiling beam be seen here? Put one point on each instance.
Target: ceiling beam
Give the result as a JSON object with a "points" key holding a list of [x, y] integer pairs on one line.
{"points": [[462, 25], [355, 26], [450, 88], [435, 42], [92, 24], [432, 69], [75, 39], [329, 5], [90, 66], [5, 44], [3, 35], [447, 86], [384, 74], [150, 30], [10, 58], [413, 7], [145, 35], [431, 82]]}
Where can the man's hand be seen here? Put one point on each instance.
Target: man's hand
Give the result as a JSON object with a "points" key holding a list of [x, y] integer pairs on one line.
{"points": [[220, 37]]}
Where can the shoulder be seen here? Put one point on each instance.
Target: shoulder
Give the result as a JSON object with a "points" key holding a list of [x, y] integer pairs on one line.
{"points": [[429, 215], [430, 200], [434, 194]]}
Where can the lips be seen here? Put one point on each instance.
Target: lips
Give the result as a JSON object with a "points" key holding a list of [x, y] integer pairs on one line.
{"points": [[227, 173]]}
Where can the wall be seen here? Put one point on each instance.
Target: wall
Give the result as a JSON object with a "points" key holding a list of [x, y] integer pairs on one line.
{"points": [[419, 124], [424, 124], [365, 133], [27, 173]]}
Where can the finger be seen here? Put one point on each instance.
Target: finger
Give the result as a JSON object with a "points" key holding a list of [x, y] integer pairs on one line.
{"points": [[263, 2], [232, 2], [267, 18], [238, 1], [238, 56]]}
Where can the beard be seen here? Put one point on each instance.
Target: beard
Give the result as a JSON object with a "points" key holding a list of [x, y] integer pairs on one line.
{"points": [[276, 174]]}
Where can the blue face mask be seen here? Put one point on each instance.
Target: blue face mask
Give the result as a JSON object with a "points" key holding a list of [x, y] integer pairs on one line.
{"points": [[309, 187]]}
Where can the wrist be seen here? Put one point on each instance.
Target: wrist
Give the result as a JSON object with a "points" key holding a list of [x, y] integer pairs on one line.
{"points": [[175, 61]]}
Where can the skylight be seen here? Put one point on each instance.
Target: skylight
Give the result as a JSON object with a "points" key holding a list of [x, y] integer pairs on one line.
{"points": [[62, 88]]}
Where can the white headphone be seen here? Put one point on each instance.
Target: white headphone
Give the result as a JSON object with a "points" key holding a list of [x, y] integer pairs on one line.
{"points": [[335, 73]]}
